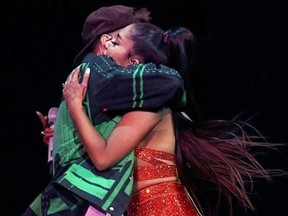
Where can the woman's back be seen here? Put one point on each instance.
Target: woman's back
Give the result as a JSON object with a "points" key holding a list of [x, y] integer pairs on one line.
{"points": [[161, 140], [157, 190]]}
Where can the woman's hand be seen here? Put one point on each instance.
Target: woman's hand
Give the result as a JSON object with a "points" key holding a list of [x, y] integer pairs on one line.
{"points": [[74, 92]]}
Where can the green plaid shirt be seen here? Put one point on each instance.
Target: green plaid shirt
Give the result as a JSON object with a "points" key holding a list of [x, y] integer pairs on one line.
{"points": [[112, 91]]}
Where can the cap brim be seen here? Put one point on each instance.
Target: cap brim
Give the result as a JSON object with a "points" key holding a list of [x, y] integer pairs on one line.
{"points": [[85, 50]]}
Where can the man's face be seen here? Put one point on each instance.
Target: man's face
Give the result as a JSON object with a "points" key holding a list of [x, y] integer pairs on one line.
{"points": [[120, 45]]}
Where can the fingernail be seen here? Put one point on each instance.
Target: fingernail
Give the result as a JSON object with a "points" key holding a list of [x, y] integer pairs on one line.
{"points": [[87, 71]]}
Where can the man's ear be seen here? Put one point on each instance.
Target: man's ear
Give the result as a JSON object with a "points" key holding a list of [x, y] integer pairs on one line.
{"points": [[105, 37], [103, 42], [135, 60]]}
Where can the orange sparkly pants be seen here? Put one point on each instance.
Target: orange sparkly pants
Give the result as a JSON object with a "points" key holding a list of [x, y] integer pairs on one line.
{"points": [[162, 199]]}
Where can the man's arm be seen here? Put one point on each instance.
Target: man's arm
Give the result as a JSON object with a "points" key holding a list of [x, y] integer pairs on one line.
{"points": [[143, 86]]}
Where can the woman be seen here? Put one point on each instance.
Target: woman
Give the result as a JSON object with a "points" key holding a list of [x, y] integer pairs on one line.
{"points": [[172, 152]]}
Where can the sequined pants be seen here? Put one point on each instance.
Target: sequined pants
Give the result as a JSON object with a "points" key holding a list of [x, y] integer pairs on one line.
{"points": [[162, 200]]}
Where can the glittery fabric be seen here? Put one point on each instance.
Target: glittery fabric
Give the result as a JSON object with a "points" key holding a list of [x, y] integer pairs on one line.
{"points": [[165, 199], [158, 168]]}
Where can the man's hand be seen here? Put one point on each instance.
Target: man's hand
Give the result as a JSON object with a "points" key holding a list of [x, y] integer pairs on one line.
{"points": [[47, 132]]}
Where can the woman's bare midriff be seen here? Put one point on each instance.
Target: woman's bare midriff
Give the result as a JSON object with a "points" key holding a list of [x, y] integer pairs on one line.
{"points": [[143, 184]]}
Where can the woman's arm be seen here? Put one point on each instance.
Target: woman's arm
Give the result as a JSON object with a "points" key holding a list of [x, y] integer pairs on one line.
{"points": [[129, 132]]}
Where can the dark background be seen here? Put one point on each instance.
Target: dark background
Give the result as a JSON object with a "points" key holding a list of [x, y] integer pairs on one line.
{"points": [[241, 68]]}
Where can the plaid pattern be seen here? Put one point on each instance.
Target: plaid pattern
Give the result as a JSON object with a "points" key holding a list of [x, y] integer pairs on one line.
{"points": [[116, 89]]}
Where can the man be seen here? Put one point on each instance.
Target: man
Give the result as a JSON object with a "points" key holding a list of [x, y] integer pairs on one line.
{"points": [[68, 192], [100, 21]]}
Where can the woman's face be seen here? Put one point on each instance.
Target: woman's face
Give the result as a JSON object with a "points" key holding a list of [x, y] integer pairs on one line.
{"points": [[119, 46]]}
